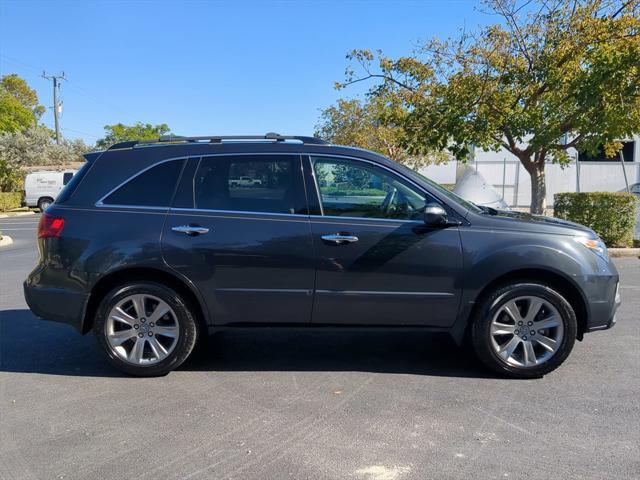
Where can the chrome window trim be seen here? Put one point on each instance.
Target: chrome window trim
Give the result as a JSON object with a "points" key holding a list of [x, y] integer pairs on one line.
{"points": [[299, 215], [372, 219], [239, 212], [100, 202], [141, 207], [107, 209], [169, 209]]}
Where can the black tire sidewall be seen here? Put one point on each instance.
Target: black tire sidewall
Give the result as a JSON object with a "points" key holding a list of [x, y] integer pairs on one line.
{"points": [[481, 326], [41, 203], [186, 339]]}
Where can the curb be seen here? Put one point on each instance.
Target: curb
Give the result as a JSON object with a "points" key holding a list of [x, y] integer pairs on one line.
{"points": [[16, 214], [623, 252], [5, 241]]}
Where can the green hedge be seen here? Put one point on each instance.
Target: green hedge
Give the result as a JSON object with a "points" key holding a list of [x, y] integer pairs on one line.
{"points": [[349, 192], [10, 200], [610, 215]]}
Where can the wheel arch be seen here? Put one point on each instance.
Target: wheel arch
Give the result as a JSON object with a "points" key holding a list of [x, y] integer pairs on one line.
{"points": [[563, 285], [125, 275]]}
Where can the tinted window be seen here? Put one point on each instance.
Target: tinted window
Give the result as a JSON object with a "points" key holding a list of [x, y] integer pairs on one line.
{"points": [[67, 176], [71, 186], [252, 183], [358, 189], [151, 188]]}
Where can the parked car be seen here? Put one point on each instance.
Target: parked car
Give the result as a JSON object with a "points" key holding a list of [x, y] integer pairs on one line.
{"points": [[244, 182], [42, 188], [149, 248]]}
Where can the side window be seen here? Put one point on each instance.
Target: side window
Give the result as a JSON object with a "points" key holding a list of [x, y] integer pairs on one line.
{"points": [[66, 177], [252, 183], [151, 188], [358, 189]]}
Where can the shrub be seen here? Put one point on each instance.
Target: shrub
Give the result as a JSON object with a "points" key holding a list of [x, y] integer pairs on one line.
{"points": [[349, 191], [10, 200], [611, 215]]}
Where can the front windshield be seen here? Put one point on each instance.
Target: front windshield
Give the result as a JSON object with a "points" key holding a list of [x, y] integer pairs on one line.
{"points": [[449, 194]]}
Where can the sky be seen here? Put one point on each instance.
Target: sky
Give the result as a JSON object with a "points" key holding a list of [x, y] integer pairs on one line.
{"points": [[208, 67]]}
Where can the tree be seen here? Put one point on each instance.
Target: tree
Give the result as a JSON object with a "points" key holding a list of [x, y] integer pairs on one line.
{"points": [[19, 107], [33, 146], [123, 133], [550, 76], [375, 124]]}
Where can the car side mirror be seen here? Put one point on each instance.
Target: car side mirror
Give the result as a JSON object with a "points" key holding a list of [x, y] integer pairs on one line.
{"points": [[435, 215]]}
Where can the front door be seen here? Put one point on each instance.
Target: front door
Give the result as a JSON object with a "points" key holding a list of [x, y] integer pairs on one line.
{"points": [[377, 262], [239, 230]]}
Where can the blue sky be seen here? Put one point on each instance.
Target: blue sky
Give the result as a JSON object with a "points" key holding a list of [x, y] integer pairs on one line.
{"points": [[205, 67]]}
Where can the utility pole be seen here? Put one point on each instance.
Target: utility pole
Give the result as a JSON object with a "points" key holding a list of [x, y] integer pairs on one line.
{"points": [[57, 105]]}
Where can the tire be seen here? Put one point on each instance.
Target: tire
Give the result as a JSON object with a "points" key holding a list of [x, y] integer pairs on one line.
{"points": [[44, 202], [166, 343], [503, 328]]}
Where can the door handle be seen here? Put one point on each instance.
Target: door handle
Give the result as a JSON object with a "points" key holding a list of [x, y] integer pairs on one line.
{"points": [[191, 230], [339, 238]]}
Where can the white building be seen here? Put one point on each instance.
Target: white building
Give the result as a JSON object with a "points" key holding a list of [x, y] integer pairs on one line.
{"points": [[505, 172]]}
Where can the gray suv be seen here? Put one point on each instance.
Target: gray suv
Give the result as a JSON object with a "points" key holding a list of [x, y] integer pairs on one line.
{"points": [[155, 243]]}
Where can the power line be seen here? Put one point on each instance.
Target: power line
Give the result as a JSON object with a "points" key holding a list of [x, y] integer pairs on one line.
{"points": [[19, 62], [102, 102], [80, 132], [74, 85]]}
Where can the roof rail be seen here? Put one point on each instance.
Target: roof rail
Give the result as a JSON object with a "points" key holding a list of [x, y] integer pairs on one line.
{"points": [[275, 137]]}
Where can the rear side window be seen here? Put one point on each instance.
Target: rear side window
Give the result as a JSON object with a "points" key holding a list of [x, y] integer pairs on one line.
{"points": [[72, 183], [66, 177], [151, 188], [252, 183]]}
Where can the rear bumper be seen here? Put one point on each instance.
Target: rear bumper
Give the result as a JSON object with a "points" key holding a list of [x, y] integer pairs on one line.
{"points": [[56, 304]]}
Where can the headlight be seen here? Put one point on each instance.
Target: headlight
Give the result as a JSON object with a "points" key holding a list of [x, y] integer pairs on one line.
{"points": [[596, 245]]}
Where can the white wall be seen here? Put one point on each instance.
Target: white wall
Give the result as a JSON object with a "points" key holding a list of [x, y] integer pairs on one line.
{"points": [[443, 173], [504, 171]]}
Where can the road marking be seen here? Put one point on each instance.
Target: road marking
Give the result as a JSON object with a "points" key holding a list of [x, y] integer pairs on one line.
{"points": [[14, 229], [19, 223]]}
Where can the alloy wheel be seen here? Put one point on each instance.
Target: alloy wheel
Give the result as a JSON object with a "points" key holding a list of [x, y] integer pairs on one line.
{"points": [[526, 331], [142, 329]]}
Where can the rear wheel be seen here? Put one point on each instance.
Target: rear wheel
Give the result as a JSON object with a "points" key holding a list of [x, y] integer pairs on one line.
{"points": [[44, 203], [145, 329], [524, 330]]}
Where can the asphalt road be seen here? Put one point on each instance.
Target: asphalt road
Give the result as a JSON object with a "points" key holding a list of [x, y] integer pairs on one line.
{"points": [[278, 405]]}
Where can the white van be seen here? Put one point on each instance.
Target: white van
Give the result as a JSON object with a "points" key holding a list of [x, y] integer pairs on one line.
{"points": [[42, 188]]}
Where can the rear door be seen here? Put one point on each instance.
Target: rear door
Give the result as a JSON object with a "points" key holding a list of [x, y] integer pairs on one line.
{"points": [[378, 264], [246, 245]]}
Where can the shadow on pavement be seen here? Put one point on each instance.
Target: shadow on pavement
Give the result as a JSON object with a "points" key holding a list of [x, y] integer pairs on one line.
{"points": [[30, 345]]}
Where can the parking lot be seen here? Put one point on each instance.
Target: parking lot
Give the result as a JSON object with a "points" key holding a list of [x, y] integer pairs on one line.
{"points": [[291, 404]]}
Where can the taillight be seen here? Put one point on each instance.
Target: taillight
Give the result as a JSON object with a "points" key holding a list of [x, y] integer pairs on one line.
{"points": [[50, 226]]}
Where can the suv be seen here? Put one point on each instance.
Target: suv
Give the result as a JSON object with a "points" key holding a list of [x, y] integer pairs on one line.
{"points": [[149, 247]]}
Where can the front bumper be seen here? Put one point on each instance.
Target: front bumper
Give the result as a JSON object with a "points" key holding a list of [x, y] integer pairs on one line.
{"points": [[603, 312], [57, 304]]}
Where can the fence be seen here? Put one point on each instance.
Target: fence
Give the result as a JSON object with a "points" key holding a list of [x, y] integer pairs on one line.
{"points": [[513, 182]]}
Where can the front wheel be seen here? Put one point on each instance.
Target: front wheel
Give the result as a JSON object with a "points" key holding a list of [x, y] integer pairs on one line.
{"points": [[145, 329], [524, 330]]}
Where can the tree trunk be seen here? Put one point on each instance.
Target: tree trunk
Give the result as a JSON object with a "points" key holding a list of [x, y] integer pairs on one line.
{"points": [[538, 189], [535, 167]]}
